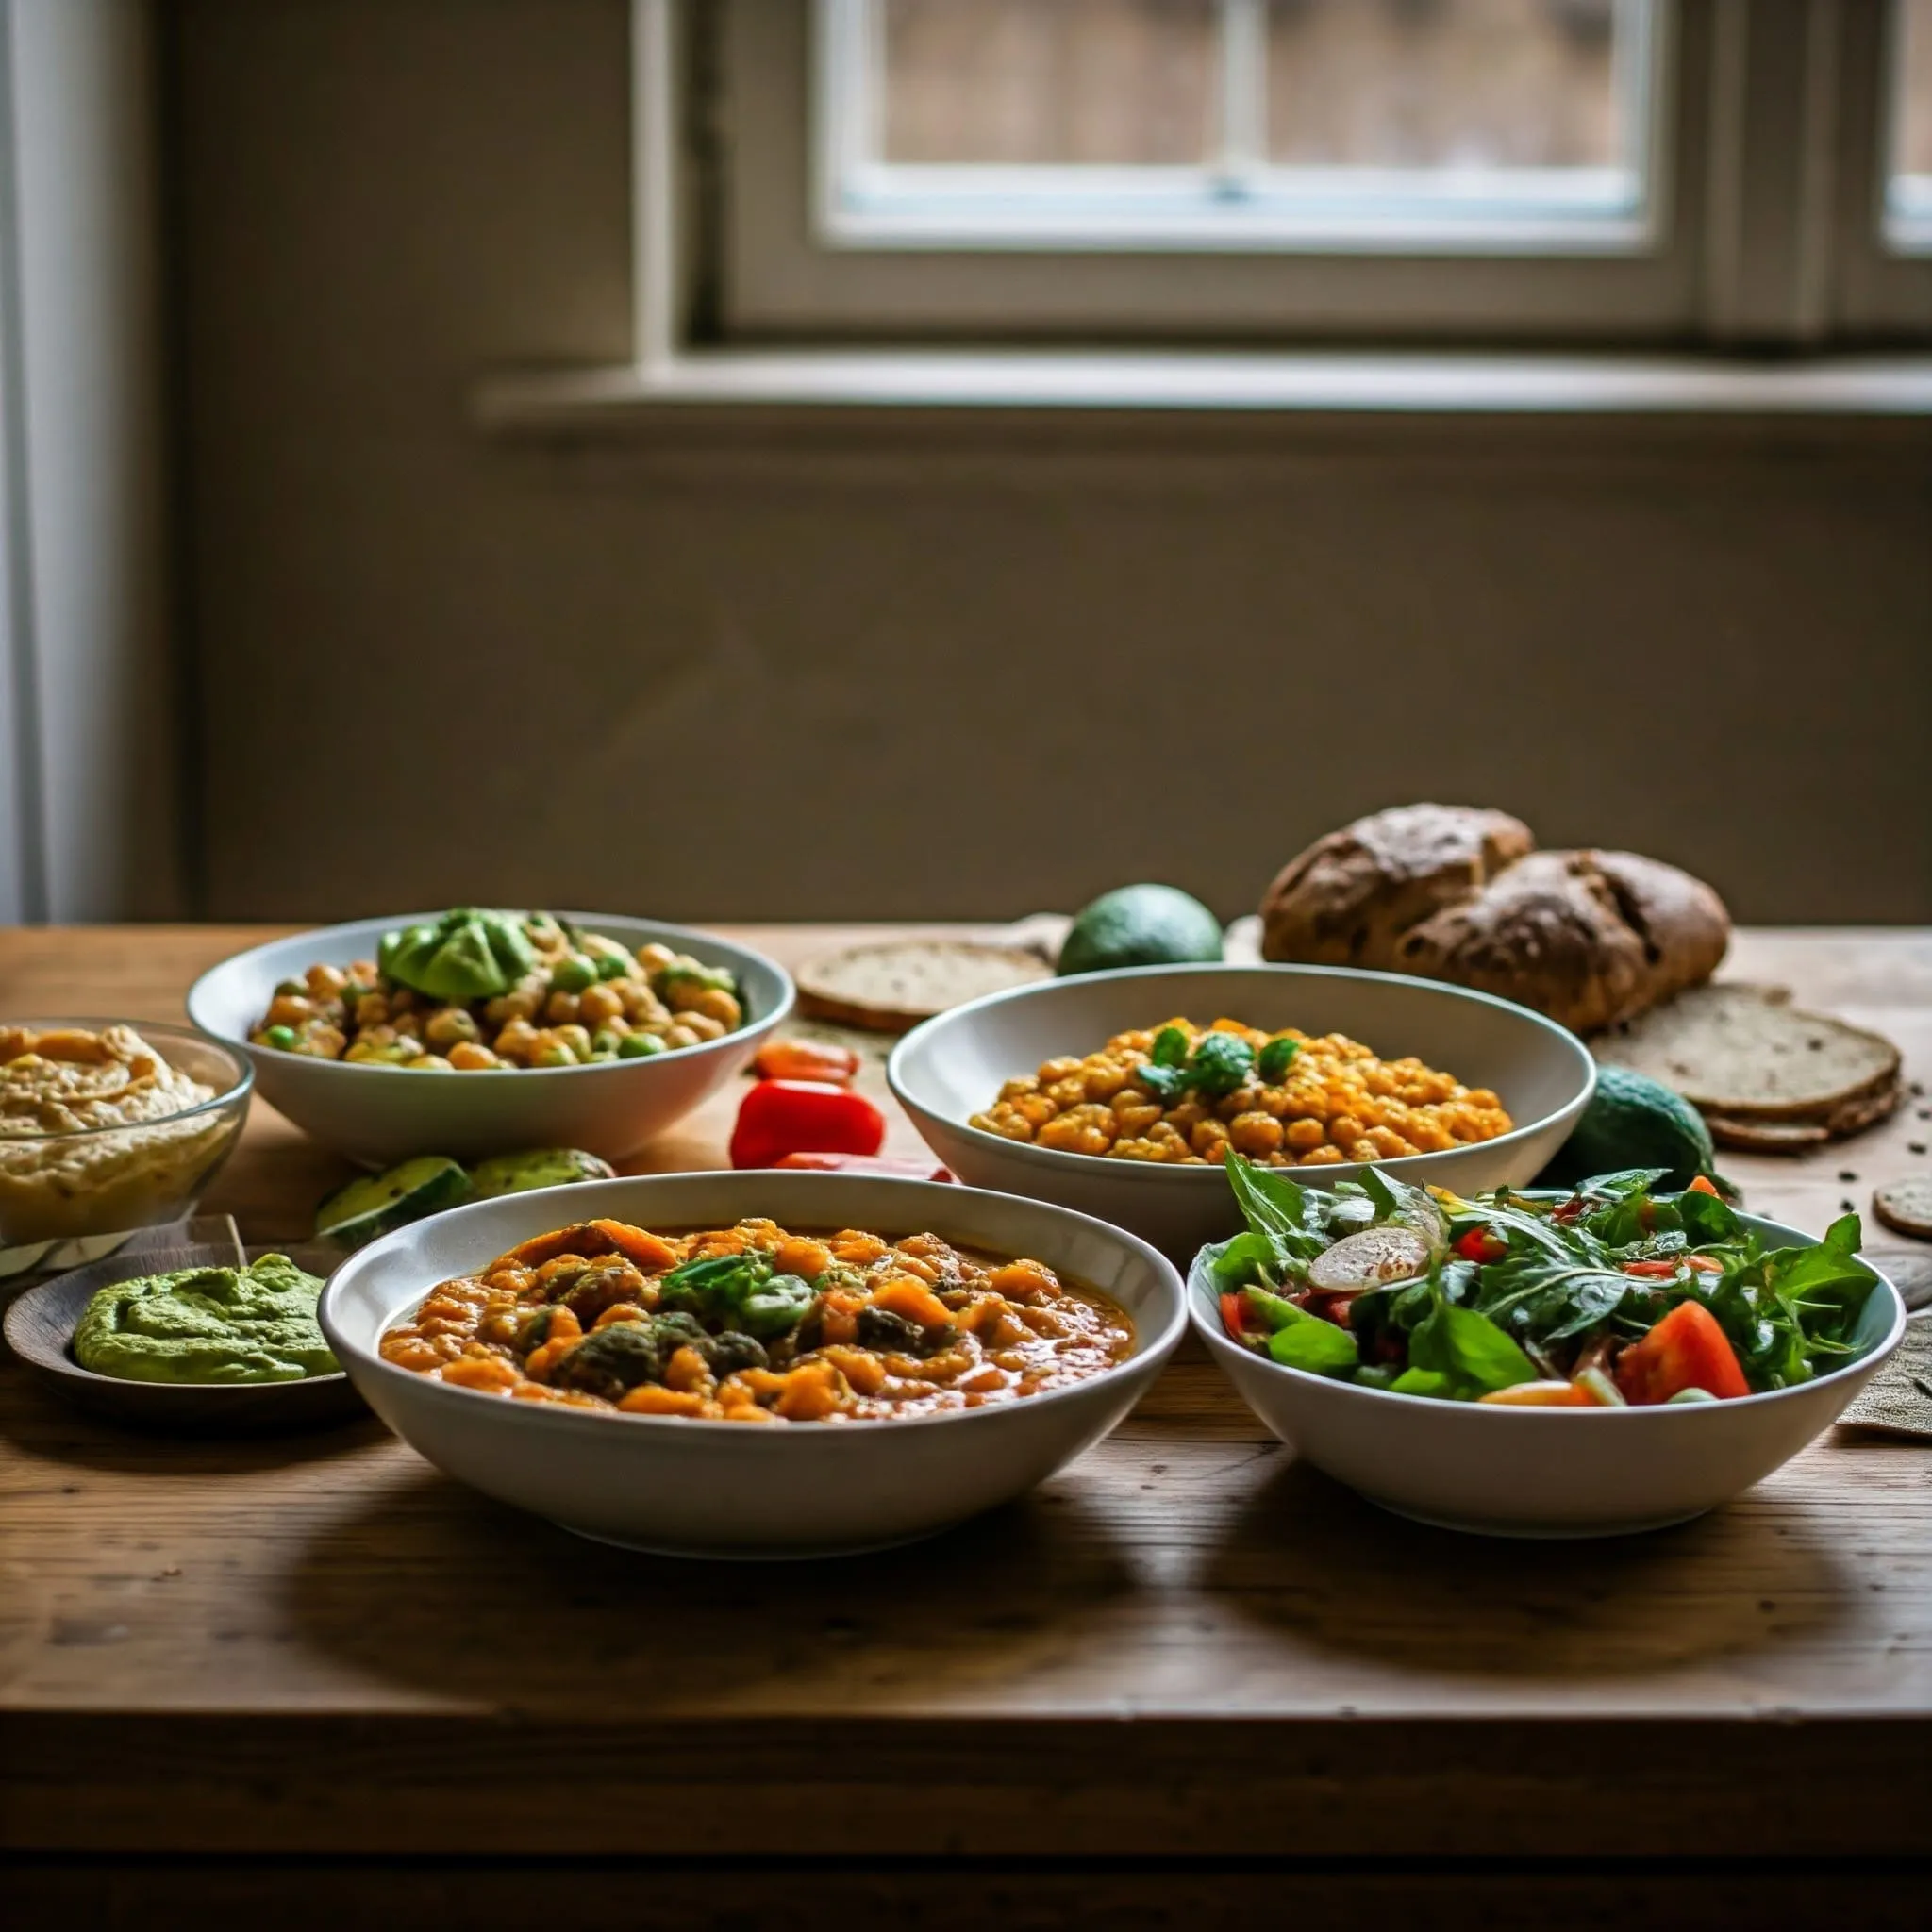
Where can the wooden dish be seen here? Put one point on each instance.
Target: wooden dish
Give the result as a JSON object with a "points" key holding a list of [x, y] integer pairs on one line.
{"points": [[39, 1329]]}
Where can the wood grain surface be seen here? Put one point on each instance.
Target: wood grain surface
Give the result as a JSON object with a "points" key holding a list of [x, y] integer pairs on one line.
{"points": [[320, 1645]]}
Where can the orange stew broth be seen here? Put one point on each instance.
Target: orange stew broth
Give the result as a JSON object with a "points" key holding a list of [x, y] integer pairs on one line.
{"points": [[905, 1328]]}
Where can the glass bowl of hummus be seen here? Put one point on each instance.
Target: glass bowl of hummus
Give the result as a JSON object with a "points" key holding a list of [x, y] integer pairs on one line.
{"points": [[108, 1126]]}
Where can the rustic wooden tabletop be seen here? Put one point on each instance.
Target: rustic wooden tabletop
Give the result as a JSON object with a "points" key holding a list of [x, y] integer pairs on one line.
{"points": [[1183, 1648]]}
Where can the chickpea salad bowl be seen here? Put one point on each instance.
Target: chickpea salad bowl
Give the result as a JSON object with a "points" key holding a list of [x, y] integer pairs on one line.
{"points": [[1080, 1091], [474, 1031]]}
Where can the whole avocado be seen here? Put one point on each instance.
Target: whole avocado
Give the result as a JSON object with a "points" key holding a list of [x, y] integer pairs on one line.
{"points": [[1633, 1121], [1140, 926]]}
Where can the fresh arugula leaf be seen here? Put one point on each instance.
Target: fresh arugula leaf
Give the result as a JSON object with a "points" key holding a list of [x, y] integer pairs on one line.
{"points": [[1543, 1300], [1378, 1190], [1276, 1208], [1247, 1257], [1467, 1349]]}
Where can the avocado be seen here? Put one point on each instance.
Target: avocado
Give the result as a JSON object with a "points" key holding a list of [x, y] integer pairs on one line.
{"points": [[1633, 1121], [544, 1167], [1140, 926], [374, 1203]]}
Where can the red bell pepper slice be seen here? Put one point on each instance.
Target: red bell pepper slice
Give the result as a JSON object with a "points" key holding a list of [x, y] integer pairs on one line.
{"points": [[1686, 1350], [901, 1165], [781, 1117], [806, 1060]]}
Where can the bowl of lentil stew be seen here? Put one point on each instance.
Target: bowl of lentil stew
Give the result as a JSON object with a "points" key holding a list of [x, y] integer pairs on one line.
{"points": [[814, 1481], [1478, 1091], [379, 1108]]}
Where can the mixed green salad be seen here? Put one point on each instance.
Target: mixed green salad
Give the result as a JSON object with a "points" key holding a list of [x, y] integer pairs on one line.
{"points": [[1616, 1293]]}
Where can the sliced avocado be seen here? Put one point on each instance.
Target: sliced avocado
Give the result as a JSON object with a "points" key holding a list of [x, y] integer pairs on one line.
{"points": [[541, 1167], [1140, 926], [373, 1204]]}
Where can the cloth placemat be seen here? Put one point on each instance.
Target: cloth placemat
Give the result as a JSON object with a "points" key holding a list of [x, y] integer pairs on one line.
{"points": [[1898, 1400]]}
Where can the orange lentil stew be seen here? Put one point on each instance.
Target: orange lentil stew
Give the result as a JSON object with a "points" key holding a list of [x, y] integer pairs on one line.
{"points": [[754, 1324], [1185, 1094]]}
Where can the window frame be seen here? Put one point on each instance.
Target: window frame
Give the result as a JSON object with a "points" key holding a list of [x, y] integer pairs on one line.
{"points": [[1768, 199]]}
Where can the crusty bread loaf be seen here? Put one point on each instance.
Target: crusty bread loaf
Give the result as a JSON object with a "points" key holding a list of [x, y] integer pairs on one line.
{"points": [[1459, 893], [1350, 898], [894, 984]]}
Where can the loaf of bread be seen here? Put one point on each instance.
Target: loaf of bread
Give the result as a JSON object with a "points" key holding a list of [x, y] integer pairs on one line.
{"points": [[1458, 893]]}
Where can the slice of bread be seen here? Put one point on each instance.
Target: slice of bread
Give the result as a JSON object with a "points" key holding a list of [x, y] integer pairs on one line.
{"points": [[1742, 1055], [1906, 1205], [895, 984]]}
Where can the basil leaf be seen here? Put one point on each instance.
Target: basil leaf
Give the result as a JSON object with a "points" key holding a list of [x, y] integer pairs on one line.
{"points": [[1164, 1083], [1314, 1344], [1222, 1062], [1276, 1207], [1276, 1059], [1170, 1048], [1467, 1349], [1419, 1382], [1247, 1257]]}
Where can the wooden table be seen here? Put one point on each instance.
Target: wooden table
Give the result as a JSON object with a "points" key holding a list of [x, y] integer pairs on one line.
{"points": [[316, 1679]]}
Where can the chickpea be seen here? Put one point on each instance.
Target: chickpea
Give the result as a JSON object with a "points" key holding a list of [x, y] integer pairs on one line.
{"points": [[655, 959], [371, 1010], [1303, 1135], [402, 1001], [703, 1026], [323, 1042], [715, 1004], [407, 1026], [290, 1009], [597, 1005], [450, 1026], [326, 982], [468, 1056], [560, 1009], [549, 1051], [517, 1039], [679, 1035], [1209, 1138], [1255, 1133]]}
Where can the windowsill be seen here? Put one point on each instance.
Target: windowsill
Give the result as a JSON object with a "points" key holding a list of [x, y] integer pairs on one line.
{"points": [[1070, 384]]}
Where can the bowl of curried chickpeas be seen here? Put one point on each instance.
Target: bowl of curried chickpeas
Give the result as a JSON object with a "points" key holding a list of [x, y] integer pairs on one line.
{"points": [[477, 1031], [1121, 1093]]}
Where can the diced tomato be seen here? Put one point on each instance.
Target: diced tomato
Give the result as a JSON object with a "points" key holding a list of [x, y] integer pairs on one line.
{"points": [[1234, 1313], [1652, 1271], [781, 1117], [1541, 1395], [902, 1165], [806, 1060], [1703, 1186], [1686, 1350], [1481, 1244]]}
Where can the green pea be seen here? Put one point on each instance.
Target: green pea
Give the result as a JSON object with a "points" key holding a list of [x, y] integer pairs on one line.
{"points": [[607, 1045], [615, 966], [573, 972], [553, 1053], [638, 1046], [282, 1037]]}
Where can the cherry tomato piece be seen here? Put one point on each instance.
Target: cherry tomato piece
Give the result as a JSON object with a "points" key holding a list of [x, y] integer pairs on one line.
{"points": [[1703, 1186], [901, 1165], [1541, 1395], [1686, 1350], [1481, 1244]]}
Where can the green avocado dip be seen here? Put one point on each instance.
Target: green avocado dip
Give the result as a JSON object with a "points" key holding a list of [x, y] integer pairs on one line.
{"points": [[207, 1324]]}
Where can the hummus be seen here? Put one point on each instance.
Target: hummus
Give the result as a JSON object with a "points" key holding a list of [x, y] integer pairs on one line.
{"points": [[60, 1175], [207, 1324]]}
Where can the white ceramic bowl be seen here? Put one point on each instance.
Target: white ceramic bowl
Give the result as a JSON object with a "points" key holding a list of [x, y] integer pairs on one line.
{"points": [[1545, 1472], [378, 1114], [694, 1488], [952, 1067]]}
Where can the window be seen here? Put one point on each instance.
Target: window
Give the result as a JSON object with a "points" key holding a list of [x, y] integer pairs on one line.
{"points": [[1438, 124], [1909, 173], [1670, 173]]}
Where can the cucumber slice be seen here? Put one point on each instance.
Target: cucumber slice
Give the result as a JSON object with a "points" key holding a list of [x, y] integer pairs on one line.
{"points": [[541, 1167], [373, 1204]]}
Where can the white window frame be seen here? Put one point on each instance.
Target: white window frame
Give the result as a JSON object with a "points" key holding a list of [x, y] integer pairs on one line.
{"points": [[1236, 200], [1767, 223]]}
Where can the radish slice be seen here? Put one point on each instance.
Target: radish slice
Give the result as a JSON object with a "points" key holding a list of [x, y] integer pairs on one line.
{"points": [[1368, 1259]]}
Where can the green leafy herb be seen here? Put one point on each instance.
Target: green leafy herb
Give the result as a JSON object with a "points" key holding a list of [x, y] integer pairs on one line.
{"points": [[1170, 1048], [1276, 1059], [1467, 1349], [1220, 1062]]}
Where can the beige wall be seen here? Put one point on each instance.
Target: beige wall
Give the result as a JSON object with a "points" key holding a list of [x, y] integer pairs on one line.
{"points": [[818, 673]]}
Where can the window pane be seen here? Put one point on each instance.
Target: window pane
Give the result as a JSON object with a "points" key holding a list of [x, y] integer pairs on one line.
{"points": [[1912, 118], [1048, 82], [1441, 84]]}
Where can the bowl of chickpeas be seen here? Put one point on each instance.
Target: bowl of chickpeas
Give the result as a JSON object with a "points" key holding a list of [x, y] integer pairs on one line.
{"points": [[388, 1038], [1120, 1093]]}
